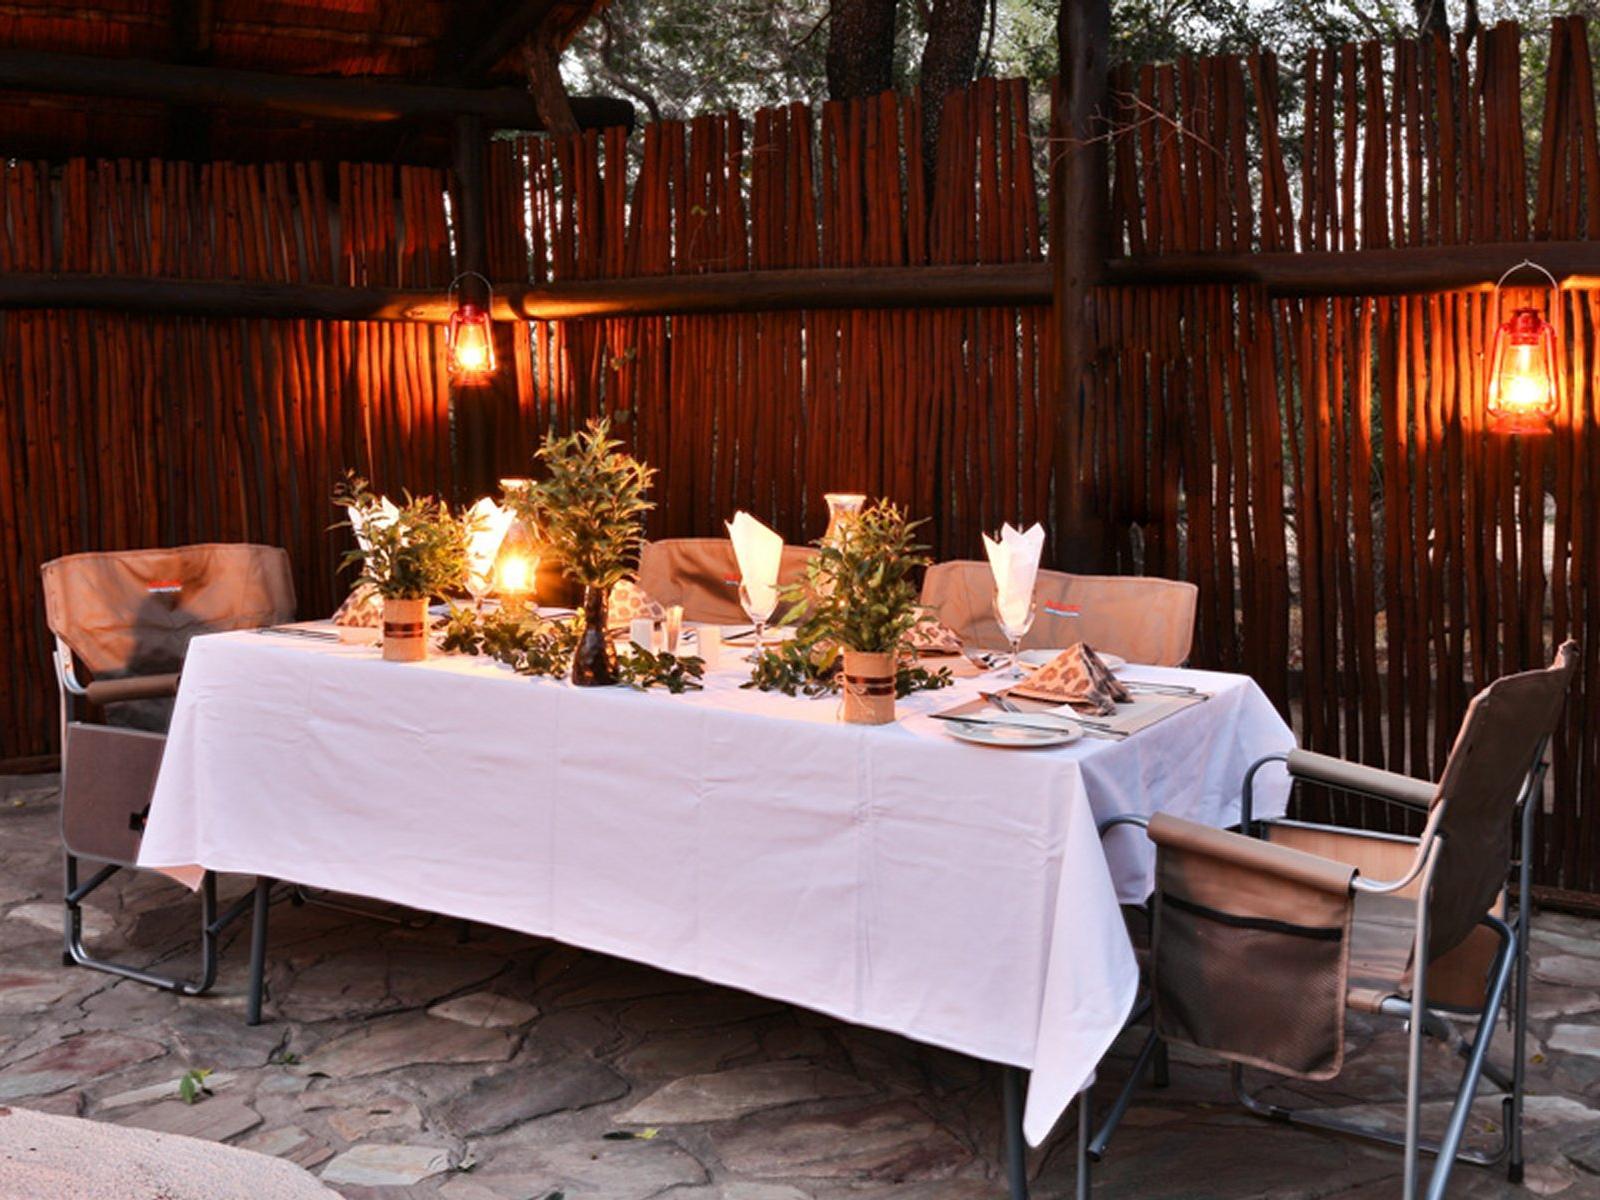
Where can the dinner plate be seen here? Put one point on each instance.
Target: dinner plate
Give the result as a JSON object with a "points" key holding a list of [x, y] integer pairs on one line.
{"points": [[1038, 658], [1011, 737]]}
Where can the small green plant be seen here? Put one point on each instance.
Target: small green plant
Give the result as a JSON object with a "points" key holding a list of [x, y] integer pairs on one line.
{"points": [[590, 507], [857, 594], [415, 552], [192, 1086], [858, 591]]}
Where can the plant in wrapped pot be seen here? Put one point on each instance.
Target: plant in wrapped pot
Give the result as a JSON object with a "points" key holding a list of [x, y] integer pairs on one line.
{"points": [[590, 510], [407, 555], [859, 595]]}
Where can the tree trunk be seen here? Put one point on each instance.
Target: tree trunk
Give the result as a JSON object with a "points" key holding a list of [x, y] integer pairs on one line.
{"points": [[860, 48], [1432, 19], [949, 57], [541, 60]]}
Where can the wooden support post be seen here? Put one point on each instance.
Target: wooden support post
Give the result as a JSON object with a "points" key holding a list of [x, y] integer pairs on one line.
{"points": [[1079, 242], [469, 428]]}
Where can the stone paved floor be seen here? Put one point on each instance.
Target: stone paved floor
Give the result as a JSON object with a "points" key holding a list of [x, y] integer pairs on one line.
{"points": [[400, 1063]]}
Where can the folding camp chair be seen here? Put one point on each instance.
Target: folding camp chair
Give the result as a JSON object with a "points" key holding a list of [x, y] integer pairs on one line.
{"points": [[702, 574], [122, 623], [1265, 940], [1142, 618]]}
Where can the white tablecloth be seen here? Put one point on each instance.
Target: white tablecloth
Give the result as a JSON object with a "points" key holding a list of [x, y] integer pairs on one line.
{"points": [[890, 876]]}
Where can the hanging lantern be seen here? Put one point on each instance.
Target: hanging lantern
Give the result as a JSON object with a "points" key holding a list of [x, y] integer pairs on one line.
{"points": [[1523, 381], [470, 340]]}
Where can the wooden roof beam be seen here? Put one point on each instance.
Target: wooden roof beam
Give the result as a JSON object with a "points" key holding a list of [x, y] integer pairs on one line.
{"points": [[358, 100]]}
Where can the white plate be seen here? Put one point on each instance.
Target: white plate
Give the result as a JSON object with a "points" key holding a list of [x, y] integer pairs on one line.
{"points": [[1011, 737], [1038, 658]]}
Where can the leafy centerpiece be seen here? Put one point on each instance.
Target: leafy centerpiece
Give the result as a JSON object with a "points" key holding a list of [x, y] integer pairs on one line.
{"points": [[407, 555], [590, 509], [855, 606]]}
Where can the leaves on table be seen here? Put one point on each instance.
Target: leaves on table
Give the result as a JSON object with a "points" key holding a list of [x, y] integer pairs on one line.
{"points": [[535, 645]]}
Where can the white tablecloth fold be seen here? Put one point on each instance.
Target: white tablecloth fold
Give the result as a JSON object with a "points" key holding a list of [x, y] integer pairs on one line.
{"points": [[889, 876]]}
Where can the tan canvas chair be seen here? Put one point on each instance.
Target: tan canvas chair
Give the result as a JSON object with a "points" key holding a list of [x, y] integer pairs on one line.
{"points": [[702, 575], [122, 623], [1140, 617], [1264, 940]]}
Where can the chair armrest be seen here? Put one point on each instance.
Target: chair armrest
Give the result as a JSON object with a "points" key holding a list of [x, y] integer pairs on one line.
{"points": [[1364, 780], [1251, 856], [134, 687]]}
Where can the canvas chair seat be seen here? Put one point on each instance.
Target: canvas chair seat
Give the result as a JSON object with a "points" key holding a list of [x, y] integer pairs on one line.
{"points": [[1142, 618], [702, 575]]}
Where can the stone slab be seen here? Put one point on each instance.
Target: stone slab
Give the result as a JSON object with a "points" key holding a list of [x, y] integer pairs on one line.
{"points": [[76, 1060], [727, 1095], [890, 1142], [485, 1010], [384, 1164], [561, 1083], [411, 1039], [214, 1120]]}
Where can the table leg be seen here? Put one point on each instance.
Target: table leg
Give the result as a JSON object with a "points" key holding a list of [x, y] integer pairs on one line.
{"points": [[258, 949], [1013, 1082], [1085, 1130]]}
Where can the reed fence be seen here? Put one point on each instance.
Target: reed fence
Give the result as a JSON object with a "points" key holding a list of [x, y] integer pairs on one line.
{"points": [[1365, 545]]}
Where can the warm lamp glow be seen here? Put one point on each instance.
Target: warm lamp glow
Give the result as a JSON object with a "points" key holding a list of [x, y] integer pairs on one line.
{"points": [[1522, 380], [471, 342], [515, 575], [1524, 389]]}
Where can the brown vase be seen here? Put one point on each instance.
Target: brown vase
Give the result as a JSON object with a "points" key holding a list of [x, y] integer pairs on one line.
{"points": [[867, 686], [594, 661], [405, 630]]}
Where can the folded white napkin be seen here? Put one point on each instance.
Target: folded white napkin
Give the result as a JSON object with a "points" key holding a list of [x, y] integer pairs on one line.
{"points": [[760, 552], [386, 515], [489, 524], [1014, 559]]}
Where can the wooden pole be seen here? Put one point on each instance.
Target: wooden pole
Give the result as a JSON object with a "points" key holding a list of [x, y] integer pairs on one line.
{"points": [[1407, 269], [975, 286], [1080, 243], [361, 100]]}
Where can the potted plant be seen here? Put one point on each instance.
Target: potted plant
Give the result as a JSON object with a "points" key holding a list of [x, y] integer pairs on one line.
{"points": [[590, 510], [858, 594], [408, 556]]}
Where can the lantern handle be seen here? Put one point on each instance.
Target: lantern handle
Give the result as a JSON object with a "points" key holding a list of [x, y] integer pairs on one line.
{"points": [[1529, 263], [455, 283]]}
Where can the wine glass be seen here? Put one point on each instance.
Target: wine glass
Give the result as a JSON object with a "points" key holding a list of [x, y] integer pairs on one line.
{"points": [[758, 607], [1014, 626]]}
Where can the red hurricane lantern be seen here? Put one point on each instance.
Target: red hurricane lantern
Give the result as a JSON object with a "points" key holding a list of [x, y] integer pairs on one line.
{"points": [[1523, 384], [469, 339]]}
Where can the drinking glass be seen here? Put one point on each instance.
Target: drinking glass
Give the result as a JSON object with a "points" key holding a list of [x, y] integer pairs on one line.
{"points": [[1014, 633], [759, 612]]}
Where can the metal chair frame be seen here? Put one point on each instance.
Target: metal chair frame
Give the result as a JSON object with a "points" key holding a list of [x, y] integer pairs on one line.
{"points": [[1508, 974], [74, 891]]}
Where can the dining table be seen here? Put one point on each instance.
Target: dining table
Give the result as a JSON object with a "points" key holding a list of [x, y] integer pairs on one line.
{"points": [[891, 876]]}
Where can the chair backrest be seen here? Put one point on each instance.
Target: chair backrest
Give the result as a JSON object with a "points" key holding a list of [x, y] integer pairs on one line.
{"points": [[702, 574], [1140, 617], [133, 612], [1498, 746]]}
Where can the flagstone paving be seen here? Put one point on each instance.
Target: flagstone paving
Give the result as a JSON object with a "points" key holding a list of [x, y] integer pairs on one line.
{"points": [[399, 1063]]}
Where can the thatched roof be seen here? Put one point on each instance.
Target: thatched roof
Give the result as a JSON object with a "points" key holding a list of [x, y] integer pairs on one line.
{"points": [[468, 43]]}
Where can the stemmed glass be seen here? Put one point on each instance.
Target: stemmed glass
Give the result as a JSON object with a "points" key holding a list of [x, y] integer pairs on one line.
{"points": [[1014, 633], [759, 611]]}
